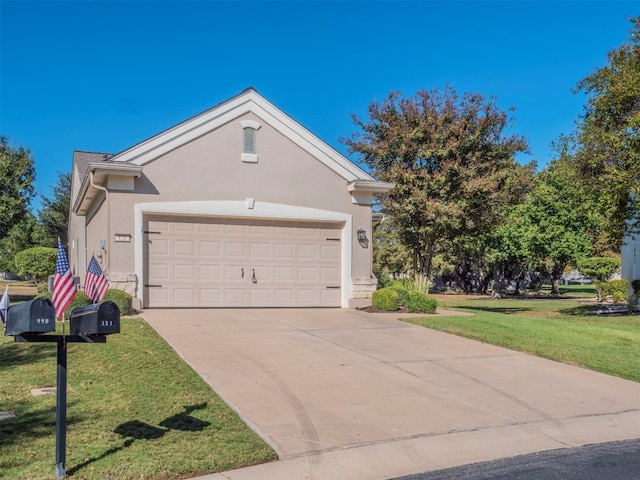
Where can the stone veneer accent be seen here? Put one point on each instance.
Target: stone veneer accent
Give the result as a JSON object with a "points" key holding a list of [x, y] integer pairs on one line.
{"points": [[123, 281]]}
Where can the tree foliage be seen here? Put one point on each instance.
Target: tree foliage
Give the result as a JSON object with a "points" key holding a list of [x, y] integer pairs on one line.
{"points": [[609, 136], [17, 174], [556, 226], [24, 234], [37, 262], [451, 162], [54, 214]]}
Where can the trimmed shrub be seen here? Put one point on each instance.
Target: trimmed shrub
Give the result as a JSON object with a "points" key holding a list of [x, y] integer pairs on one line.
{"points": [[385, 299], [36, 262], [619, 290], [403, 293], [120, 298], [421, 303], [80, 300], [600, 268]]}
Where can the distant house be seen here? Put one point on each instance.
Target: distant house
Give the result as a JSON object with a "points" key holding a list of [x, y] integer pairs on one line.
{"points": [[239, 206]]}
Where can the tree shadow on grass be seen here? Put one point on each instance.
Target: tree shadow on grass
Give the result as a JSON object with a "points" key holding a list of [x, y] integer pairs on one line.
{"points": [[137, 430], [14, 354], [502, 310], [581, 310], [24, 427]]}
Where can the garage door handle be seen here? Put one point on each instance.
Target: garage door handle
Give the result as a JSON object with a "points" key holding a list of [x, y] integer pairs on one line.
{"points": [[242, 269], [152, 286], [253, 276]]}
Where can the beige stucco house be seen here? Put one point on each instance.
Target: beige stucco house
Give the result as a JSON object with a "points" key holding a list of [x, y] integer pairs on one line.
{"points": [[239, 206]]}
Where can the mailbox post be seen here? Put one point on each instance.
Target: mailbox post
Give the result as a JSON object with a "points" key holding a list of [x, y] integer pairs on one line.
{"points": [[29, 321]]}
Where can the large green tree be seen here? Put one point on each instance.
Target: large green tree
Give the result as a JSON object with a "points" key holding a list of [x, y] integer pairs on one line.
{"points": [[556, 226], [609, 136], [17, 174], [450, 159], [54, 214]]}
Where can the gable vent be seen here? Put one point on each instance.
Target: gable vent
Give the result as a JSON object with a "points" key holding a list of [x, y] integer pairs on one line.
{"points": [[249, 140]]}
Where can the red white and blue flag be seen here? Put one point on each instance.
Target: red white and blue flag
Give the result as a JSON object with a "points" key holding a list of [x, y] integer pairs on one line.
{"points": [[95, 283], [64, 288]]}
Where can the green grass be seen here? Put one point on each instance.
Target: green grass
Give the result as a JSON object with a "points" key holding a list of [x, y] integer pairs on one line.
{"points": [[135, 410], [562, 329]]}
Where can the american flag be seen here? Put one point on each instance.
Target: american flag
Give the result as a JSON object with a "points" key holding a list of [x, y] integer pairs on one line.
{"points": [[95, 283], [64, 288]]}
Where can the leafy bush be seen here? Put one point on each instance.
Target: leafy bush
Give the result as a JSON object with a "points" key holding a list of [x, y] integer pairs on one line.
{"points": [[121, 298], [619, 290], [383, 279], [385, 299], [37, 262], [402, 291], [421, 303], [80, 300], [616, 289], [600, 268]]}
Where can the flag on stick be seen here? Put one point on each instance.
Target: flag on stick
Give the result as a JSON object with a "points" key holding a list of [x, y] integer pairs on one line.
{"points": [[64, 288], [95, 283], [4, 304]]}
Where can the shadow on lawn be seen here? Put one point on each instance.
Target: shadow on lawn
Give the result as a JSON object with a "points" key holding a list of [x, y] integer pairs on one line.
{"points": [[26, 426], [503, 310], [581, 310], [13, 355], [137, 430]]}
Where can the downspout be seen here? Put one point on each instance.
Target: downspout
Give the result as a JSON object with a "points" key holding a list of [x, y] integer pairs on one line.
{"points": [[106, 196]]}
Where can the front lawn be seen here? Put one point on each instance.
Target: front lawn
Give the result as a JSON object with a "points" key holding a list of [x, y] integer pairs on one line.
{"points": [[135, 411], [563, 329]]}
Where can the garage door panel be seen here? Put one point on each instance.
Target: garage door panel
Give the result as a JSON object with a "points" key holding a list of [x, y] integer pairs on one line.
{"points": [[307, 252], [260, 297], [184, 296], [260, 250], [329, 296], [284, 297], [184, 272], [210, 248], [235, 296], [284, 251], [283, 274], [184, 247], [235, 273], [328, 275], [158, 296], [158, 272], [211, 262], [210, 273], [158, 246], [235, 249], [307, 274]]}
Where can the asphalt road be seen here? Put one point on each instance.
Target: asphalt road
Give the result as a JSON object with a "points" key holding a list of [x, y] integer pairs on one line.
{"points": [[607, 461]]}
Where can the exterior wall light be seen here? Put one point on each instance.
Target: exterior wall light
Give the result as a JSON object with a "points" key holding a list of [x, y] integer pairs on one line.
{"points": [[362, 235]]}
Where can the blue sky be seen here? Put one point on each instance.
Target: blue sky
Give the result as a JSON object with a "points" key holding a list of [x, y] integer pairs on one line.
{"points": [[103, 76]]}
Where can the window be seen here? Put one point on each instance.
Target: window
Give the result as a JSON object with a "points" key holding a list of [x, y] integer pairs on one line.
{"points": [[249, 140]]}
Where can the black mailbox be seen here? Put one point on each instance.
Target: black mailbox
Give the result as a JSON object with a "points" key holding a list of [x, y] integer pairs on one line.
{"points": [[98, 319], [34, 316]]}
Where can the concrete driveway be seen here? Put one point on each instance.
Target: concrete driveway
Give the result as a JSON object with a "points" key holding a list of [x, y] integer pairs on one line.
{"points": [[348, 394]]}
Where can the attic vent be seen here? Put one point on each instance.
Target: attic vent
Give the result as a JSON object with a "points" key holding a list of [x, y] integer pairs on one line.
{"points": [[249, 138]]}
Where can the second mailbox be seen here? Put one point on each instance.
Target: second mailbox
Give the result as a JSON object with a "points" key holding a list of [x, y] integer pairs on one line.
{"points": [[98, 319]]}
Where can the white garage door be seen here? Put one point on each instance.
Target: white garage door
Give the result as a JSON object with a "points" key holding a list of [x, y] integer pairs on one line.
{"points": [[240, 263]]}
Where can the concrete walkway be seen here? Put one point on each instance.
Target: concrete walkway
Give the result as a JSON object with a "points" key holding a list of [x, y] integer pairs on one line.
{"points": [[344, 394]]}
